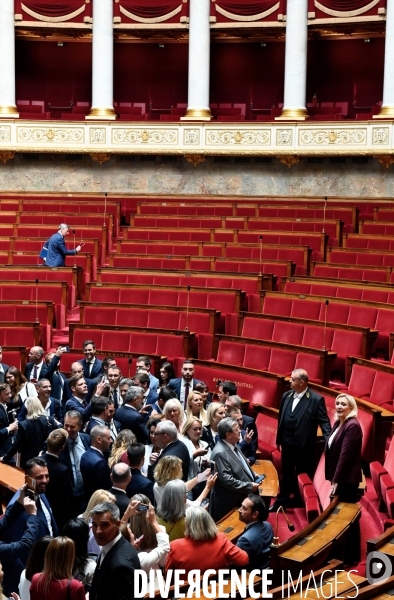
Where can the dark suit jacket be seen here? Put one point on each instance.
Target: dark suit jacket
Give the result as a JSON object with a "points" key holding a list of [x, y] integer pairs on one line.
{"points": [[256, 541], [30, 438], [5, 369], [207, 437], [115, 576], [60, 489], [131, 419], [67, 393], [176, 448], [250, 423], [30, 367], [15, 532], [122, 500], [97, 370], [175, 385], [54, 377], [234, 482], [5, 437], [140, 484], [57, 251], [343, 458], [13, 555], [95, 472], [74, 404], [248, 450], [65, 454], [55, 411], [311, 414]]}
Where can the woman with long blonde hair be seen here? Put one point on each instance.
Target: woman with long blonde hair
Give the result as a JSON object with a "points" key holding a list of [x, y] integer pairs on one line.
{"points": [[56, 580], [119, 447], [97, 497], [195, 407]]}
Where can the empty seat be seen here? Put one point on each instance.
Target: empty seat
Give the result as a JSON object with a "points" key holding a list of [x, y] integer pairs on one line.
{"points": [[261, 329], [288, 333], [257, 357], [361, 381], [282, 361], [383, 389], [345, 343], [231, 353]]}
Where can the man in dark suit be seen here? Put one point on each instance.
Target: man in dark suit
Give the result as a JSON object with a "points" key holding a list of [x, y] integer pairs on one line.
{"points": [[37, 469], [51, 406], [77, 369], [257, 536], [301, 411], [139, 484], [57, 251], [150, 397], [76, 446], [79, 400], [6, 428], [35, 368], [129, 417], [100, 413], [247, 444], [120, 478], [144, 363], [185, 384], [114, 574], [227, 399], [235, 477], [57, 379], [94, 468], [92, 366], [3, 367], [60, 489], [167, 439]]}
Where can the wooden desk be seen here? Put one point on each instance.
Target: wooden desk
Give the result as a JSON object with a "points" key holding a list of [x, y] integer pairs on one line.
{"points": [[11, 479], [385, 591], [231, 526], [269, 487]]}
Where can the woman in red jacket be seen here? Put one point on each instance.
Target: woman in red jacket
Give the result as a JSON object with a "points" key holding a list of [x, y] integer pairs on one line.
{"points": [[56, 580], [203, 545], [343, 450]]}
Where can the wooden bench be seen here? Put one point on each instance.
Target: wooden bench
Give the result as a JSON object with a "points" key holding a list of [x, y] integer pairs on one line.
{"points": [[351, 272], [336, 288], [21, 334]]}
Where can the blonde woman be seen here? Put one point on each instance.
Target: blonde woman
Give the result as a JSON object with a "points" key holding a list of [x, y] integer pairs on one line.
{"points": [[195, 406], [56, 580], [119, 447], [173, 411], [168, 469], [215, 413], [32, 433], [96, 498], [199, 450]]}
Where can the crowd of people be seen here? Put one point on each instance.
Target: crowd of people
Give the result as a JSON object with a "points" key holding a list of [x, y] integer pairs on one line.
{"points": [[126, 473]]}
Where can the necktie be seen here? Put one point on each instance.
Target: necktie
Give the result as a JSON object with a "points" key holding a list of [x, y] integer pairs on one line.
{"points": [[243, 461], [35, 372], [187, 388], [47, 514], [61, 380], [90, 368], [78, 481], [100, 559], [217, 438], [115, 397], [295, 402]]}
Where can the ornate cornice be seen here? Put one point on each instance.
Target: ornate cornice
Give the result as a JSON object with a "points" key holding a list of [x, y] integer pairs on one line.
{"points": [[296, 139]]}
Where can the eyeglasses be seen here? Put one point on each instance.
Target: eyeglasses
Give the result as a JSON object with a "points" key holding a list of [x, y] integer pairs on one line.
{"points": [[156, 433]]}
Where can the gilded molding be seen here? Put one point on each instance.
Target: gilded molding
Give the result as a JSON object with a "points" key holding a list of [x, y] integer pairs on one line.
{"points": [[191, 136], [6, 155], [98, 135], [195, 159], [381, 135], [101, 157], [385, 159], [5, 133], [289, 160], [284, 137], [144, 136]]}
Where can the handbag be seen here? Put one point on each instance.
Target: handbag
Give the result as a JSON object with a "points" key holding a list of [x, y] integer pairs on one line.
{"points": [[44, 251]]}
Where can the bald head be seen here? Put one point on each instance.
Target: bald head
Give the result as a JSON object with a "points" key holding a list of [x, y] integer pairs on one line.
{"points": [[36, 354], [299, 380], [121, 475], [76, 369]]}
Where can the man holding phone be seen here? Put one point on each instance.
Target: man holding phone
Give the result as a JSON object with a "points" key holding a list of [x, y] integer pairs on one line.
{"points": [[57, 251]]}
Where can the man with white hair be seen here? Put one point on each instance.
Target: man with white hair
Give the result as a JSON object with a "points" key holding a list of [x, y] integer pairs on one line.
{"points": [[166, 435], [57, 250]]}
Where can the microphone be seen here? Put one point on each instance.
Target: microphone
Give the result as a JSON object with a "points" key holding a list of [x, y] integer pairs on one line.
{"points": [[275, 540], [37, 320], [105, 206], [75, 256], [187, 308], [130, 363], [325, 324], [324, 215], [261, 249]]}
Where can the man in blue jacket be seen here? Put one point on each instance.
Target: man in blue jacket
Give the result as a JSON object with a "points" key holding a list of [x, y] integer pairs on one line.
{"points": [[57, 251], [257, 536]]}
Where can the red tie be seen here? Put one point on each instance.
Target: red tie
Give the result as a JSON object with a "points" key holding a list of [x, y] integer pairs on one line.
{"points": [[187, 387]]}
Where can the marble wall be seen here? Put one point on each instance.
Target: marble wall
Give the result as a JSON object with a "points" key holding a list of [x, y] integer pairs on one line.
{"points": [[173, 175]]}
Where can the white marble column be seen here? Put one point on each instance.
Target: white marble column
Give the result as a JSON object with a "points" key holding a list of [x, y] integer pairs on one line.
{"points": [[199, 59], [7, 60], [295, 61], [387, 110], [102, 61]]}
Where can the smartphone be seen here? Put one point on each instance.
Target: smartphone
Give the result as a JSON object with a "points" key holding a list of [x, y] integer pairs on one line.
{"points": [[259, 479], [66, 348], [31, 487], [139, 539], [204, 502], [143, 507], [213, 467]]}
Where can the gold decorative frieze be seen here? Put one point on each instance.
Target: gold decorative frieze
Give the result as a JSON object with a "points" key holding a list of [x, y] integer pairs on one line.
{"points": [[5, 133], [195, 159], [284, 137], [101, 157], [289, 160], [98, 135], [144, 136], [69, 135], [328, 136], [6, 155], [380, 135], [227, 137], [191, 136]]}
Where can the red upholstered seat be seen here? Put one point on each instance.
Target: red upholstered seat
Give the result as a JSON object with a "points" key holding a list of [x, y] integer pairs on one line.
{"points": [[383, 389], [385, 324], [267, 428], [261, 329], [363, 316], [288, 333], [389, 501], [311, 364], [306, 309], [386, 483], [336, 313], [316, 337], [377, 469], [231, 353], [282, 361], [321, 484], [277, 306], [345, 343], [303, 480], [117, 340], [361, 381], [257, 357], [312, 508]]}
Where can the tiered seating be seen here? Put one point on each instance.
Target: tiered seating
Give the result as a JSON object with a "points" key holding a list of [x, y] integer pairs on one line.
{"points": [[372, 381], [382, 474], [379, 292]]}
